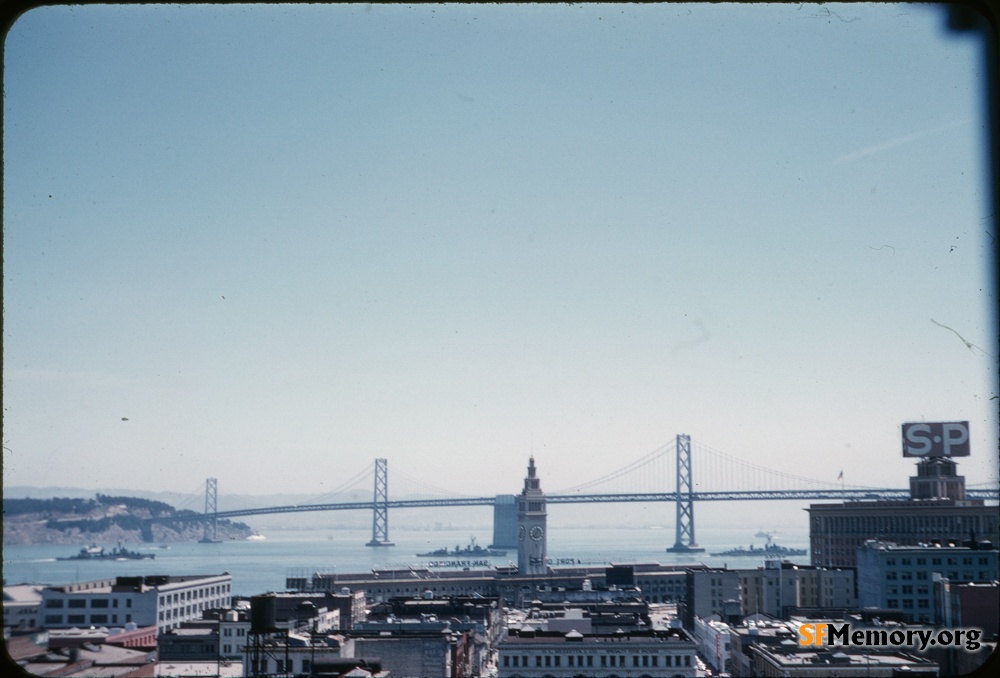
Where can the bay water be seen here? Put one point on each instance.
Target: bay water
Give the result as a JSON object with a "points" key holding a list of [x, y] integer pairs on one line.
{"points": [[262, 566]]}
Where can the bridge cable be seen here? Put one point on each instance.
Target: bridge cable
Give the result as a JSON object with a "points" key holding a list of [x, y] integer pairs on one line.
{"points": [[647, 459]]}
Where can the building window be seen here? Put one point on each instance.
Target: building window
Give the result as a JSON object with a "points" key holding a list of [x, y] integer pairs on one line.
{"points": [[53, 619], [74, 619], [76, 603], [99, 602], [52, 604], [98, 619]]}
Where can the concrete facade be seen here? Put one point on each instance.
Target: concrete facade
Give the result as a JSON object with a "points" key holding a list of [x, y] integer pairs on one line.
{"points": [[532, 535], [21, 604], [160, 600], [937, 511], [779, 586], [903, 578], [770, 662], [529, 653]]}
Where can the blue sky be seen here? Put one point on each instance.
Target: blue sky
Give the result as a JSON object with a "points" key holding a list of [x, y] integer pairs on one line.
{"points": [[283, 240]]}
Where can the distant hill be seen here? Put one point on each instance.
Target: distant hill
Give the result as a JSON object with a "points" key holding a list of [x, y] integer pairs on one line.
{"points": [[411, 519], [104, 519]]}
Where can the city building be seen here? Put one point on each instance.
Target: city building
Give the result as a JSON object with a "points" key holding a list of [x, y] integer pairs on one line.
{"points": [[131, 636], [21, 603], [413, 647], [475, 624], [716, 643], [657, 583], [531, 525], [937, 511], [663, 584], [287, 654], [162, 601], [975, 606], [711, 592], [190, 642], [910, 578], [89, 660], [781, 586], [771, 662], [234, 627], [528, 653]]}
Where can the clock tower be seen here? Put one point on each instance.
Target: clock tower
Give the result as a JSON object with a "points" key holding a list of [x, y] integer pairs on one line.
{"points": [[531, 536]]}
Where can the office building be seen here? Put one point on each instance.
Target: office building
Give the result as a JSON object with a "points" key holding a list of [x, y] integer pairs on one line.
{"points": [[162, 601], [904, 578], [529, 653], [937, 511]]}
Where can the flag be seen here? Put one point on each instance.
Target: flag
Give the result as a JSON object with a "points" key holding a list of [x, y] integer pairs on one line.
{"points": [[840, 476]]}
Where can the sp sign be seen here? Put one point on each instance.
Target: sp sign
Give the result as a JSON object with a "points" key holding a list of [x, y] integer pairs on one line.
{"points": [[936, 439]]}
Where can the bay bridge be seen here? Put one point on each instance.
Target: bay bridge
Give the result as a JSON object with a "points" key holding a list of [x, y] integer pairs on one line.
{"points": [[746, 481]]}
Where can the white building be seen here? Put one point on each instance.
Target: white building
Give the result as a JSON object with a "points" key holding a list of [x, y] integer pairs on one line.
{"points": [[21, 603], [713, 638], [234, 627], [527, 653], [531, 525], [159, 600]]}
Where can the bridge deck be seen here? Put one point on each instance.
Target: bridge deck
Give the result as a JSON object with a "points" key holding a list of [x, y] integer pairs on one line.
{"points": [[760, 495]]}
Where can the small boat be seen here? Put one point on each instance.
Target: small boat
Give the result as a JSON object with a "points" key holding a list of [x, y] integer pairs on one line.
{"points": [[256, 536], [473, 549], [94, 552]]}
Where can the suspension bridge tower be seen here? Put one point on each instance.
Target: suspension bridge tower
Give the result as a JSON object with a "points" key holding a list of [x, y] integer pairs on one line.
{"points": [[685, 501], [211, 512], [380, 505]]}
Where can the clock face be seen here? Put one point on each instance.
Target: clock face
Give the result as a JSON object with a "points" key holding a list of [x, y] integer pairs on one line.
{"points": [[537, 532], [520, 533]]}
